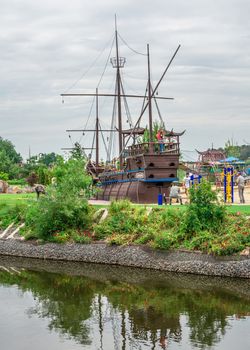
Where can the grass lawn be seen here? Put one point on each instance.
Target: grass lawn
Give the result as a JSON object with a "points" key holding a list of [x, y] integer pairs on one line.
{"points": [[12, 199]]}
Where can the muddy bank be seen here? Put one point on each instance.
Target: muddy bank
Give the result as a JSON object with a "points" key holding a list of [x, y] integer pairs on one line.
{"points": [[131, 256]]}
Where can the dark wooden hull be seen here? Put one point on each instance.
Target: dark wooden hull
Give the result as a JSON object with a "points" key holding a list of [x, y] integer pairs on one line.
{"points": [[135, 191], [143, 179]]}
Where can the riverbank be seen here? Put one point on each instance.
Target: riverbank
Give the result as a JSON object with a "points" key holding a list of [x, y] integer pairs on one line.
{"points": [[131, 256]]}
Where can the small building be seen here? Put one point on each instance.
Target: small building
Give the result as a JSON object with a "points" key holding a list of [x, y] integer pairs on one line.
{"points": [[211, 156]]}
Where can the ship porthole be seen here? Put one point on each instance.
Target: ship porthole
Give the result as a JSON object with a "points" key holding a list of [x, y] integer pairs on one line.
{"points": [[172, 164], [151, 164], [151, 176]]}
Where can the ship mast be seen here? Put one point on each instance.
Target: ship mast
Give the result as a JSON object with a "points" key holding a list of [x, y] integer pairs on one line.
{"points": [[149, 100], [97, 131], [118, 62]]}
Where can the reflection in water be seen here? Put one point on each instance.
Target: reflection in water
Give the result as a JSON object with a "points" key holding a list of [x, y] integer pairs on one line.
{"points": [[96, 307]]}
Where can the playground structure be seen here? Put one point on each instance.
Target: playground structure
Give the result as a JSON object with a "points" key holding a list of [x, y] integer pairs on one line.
{"points": [[228, 175], [195, 180], [228, 182], [209, 164]]}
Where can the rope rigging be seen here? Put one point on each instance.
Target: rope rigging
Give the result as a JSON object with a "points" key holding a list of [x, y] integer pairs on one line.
{"points": [[112, 136], [152, 95], [130, 48], [106, 64], [103, 139], [126, 107], [91, 65]]}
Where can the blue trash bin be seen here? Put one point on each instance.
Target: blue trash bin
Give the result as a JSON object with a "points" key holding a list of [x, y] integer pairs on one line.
{"points": [[160, 197]]}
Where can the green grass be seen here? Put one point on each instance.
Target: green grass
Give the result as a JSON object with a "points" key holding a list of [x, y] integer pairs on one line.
{"points": [[12, 199]]}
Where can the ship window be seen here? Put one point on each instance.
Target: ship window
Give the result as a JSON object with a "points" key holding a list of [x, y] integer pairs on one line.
{"points": [[172, 164], [151, 164], [151, 176], [172, 175]]}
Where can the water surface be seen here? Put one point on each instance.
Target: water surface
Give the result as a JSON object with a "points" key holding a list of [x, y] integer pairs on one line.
{"points": [[47, 305]]}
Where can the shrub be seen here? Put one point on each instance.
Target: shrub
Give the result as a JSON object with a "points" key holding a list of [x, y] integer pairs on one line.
{"points": [[18, 182], [4, 176], [204, 212], [32, 179], [63, 207], [163, 240]]}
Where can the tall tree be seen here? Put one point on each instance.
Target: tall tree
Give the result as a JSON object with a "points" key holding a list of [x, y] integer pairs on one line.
{"points": [[9, 158]]}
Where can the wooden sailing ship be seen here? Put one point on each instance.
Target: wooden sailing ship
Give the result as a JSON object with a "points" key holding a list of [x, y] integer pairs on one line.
{"points": [[144, 168]]}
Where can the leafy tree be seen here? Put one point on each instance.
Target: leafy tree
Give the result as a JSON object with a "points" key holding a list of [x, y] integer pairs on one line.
{"points": [[65, 208], [42, 165], [9, 158], [232, 150], [32, 179], [48, 158], [78, 152], [245, 152]]}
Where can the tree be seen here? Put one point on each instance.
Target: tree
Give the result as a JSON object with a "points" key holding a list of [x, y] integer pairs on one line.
{"points": [[244, 152], [9, 159], [65, 207], [42, 165], [231, 149], [48, 158], [78, 152]]}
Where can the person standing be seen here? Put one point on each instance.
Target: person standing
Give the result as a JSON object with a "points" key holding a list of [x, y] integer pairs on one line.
{"points": [[241, 185], [186, 183], [159, 137]]}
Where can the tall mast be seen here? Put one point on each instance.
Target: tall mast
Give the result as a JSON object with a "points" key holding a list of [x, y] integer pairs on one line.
{"points": [[119, 109], [118, 62], [97, 131], [149, 100]]}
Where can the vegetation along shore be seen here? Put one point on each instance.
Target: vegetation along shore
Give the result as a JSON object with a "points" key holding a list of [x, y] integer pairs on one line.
{"points": [[193, 239]]}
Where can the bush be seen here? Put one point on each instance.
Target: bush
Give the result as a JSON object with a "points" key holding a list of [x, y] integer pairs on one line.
{"points": [[204, 212], [4, 176], [18, 182], [63, 208], [163, 240], [32, 179]]}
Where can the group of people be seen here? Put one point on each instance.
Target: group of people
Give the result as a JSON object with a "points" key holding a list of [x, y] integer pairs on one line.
{"points": [[175, 189]]}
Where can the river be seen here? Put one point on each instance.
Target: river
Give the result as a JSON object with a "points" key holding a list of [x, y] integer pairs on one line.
{"points": [[59, 305]]}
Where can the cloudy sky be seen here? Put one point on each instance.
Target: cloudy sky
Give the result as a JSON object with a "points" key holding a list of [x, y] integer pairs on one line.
{"points": [[49, 47]]}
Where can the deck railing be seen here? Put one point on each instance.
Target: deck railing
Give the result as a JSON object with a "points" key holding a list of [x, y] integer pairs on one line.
{"points": [[154, 148]]}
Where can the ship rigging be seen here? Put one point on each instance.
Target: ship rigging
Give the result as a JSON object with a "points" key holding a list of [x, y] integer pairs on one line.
{"points": [[143, 168]]}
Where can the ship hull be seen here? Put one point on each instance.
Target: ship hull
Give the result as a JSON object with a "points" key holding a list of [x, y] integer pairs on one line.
{"points": [[136, 191]]}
